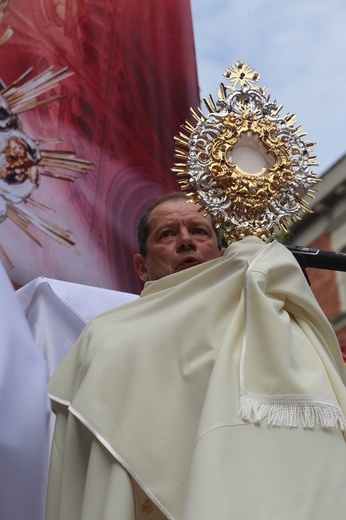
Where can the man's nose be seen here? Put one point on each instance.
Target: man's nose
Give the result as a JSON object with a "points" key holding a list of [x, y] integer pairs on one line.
{"points": [[185, 241]]}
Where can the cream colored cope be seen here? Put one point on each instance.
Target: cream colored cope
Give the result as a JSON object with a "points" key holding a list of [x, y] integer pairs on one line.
{"points": [[219, 393]]}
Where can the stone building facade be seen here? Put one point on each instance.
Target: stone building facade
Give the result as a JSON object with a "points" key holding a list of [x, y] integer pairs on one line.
{"points": [[325, 229]]}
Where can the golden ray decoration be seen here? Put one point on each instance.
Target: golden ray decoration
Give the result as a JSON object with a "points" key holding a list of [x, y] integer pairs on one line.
{"points": [[23, 161], [21, 98], [24, 218], [8, 32], [243, 163]]}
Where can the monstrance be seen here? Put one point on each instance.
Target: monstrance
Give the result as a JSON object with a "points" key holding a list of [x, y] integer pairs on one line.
{"points": [[244, 163]]}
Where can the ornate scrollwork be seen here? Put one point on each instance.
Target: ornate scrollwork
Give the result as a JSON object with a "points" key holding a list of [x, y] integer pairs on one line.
{"points": [[243, 163]]}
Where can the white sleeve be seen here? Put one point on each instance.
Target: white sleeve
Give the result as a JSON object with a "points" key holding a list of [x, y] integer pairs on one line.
{"points": [[24, 412]]}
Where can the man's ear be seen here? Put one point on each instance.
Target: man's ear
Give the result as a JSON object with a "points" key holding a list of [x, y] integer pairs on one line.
{"points": [[140, 266]]}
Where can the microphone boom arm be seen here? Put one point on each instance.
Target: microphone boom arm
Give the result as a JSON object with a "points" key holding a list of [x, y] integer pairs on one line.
{"points": [[318, 258]]}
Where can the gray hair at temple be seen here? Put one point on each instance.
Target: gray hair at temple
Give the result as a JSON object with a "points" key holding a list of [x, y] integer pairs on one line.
{"points": [[143, 229]]}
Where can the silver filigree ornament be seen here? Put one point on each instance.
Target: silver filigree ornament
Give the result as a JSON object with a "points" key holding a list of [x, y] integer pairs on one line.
{"points": [[245, 164]]}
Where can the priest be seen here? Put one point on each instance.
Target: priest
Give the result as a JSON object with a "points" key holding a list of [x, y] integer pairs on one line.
{"points": [[219, 393]]}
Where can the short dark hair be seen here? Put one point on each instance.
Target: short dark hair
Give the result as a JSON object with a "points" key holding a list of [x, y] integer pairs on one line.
{"points": [[143, 229]]}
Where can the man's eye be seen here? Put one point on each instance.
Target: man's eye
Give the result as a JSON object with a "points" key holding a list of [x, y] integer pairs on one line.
{"points": [[200, 231], [166, 233]]}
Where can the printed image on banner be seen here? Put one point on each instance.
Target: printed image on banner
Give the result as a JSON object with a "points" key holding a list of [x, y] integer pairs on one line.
{"points": [[93, 93]]}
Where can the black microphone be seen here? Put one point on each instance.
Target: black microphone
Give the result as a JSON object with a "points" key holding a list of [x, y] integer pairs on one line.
{"points": [[318, 258]]}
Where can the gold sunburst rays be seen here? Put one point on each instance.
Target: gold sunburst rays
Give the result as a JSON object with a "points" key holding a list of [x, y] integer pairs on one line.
{"points": [[8, 32], [23, 97], [65, 160], [24, 219], [6, 35], [24, 161], [243, 163], [4, 5]]}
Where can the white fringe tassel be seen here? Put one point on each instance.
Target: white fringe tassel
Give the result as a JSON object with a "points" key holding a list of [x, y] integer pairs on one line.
{"points": [[290, 411]]}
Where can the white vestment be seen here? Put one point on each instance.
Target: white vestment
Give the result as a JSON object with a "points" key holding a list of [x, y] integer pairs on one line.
{"points": [[39, 324], [219, 394], [24, 412]]}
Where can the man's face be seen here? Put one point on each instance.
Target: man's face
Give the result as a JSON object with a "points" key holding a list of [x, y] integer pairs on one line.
{"points": [[180, 237]]}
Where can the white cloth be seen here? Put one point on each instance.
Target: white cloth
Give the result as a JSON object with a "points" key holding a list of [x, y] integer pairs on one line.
{"points": [[24, 412], [57, 312]]}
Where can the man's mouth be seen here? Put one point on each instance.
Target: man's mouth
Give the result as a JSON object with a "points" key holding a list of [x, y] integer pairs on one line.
{"points": [[188, 262]]}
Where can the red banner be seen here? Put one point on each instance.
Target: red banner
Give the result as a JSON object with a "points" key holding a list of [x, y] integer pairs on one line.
{"points": [[135, 79]]}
